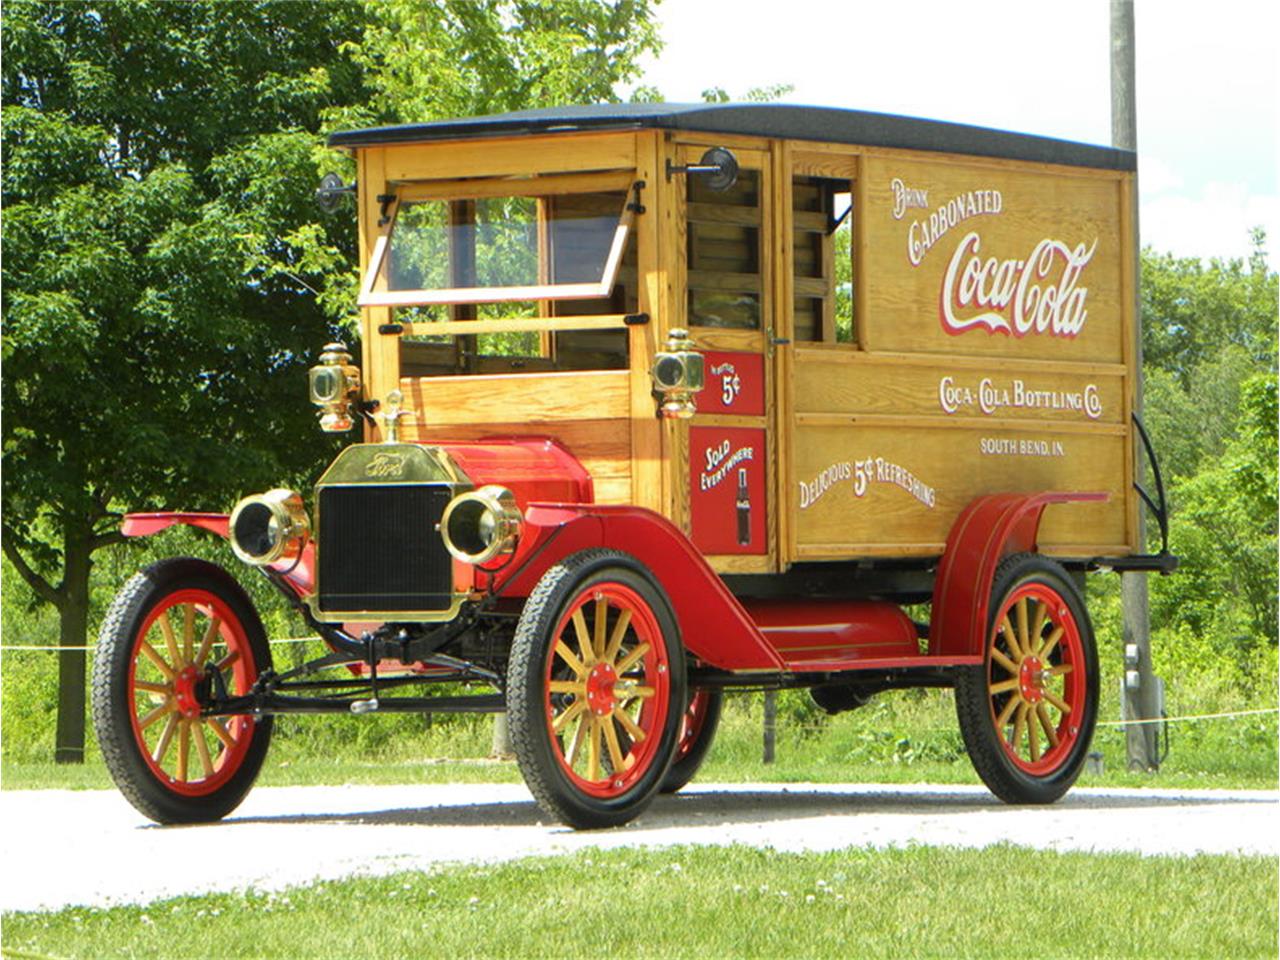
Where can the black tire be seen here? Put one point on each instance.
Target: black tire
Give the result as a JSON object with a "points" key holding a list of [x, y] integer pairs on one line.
{"points": [[228, 768], [1023, 686], [691, 750], [599, 795]]}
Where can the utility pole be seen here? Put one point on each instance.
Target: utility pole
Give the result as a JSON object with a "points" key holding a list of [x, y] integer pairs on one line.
{"points": [[1140, 696]]}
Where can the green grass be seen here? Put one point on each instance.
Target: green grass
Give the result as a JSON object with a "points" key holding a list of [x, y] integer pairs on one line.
{"points": [[708, 902]]}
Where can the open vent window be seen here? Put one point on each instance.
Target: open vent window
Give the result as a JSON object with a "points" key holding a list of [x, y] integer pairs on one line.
{"points": [[500, 241]]}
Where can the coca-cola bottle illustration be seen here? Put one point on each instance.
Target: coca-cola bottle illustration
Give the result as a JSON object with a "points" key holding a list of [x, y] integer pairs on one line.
{"points": [[743, 506]]}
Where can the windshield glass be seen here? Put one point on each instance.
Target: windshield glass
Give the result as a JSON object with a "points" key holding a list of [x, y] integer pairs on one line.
{"points": [[496, 249]]}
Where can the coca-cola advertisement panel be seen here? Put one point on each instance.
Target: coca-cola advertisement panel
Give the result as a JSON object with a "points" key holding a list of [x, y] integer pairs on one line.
{"points": [[728, 489], [979, 259]]}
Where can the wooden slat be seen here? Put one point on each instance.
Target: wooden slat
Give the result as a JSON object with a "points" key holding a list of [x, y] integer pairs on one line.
{"points": [[530, 398], [543, 186], [729, 282], [717, 213], [493, 157], [610, 321]]}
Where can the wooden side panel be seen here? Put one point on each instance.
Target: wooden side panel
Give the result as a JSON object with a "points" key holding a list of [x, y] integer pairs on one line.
{"points": [[993, 355], [520, 155], [588, 412]]}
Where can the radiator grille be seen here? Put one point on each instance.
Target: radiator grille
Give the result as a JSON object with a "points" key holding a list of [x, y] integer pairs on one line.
{"points": [[380, 551]]}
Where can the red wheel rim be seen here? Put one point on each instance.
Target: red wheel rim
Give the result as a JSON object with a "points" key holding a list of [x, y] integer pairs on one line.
{"points": [[1036, 678], [694, 718], [190, 754], [608, 690]]}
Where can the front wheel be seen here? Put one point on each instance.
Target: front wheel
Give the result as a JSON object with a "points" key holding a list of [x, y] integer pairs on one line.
{"points": [[179, 631], [595, 689], [1027, 714]]}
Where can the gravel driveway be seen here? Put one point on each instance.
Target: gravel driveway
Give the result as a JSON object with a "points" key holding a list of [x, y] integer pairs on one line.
{"points": [[63, 847]]}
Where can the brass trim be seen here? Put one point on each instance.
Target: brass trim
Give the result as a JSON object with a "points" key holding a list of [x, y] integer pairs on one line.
{"points": [[416, 465]]}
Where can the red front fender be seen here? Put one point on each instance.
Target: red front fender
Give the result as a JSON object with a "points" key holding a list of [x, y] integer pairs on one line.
{"points": [[713, 625], [298, 575]]}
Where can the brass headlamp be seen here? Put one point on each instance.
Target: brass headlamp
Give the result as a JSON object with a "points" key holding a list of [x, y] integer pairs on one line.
{"points": [[268, 527], [678, 375], [334, 383], [478, 526]]}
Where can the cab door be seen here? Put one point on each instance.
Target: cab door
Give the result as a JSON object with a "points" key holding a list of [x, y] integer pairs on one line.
{"points": [[725, 299]]}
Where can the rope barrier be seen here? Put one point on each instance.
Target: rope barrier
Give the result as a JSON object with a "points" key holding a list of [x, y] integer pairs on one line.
{"points": [[51, 647]]}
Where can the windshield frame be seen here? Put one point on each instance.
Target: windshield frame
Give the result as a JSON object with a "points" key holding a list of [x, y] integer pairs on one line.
{"points": [[373, 292]]}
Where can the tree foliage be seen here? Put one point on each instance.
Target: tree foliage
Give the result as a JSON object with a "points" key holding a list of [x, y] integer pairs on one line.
{"points": [[1210, 341], [167, 276]]}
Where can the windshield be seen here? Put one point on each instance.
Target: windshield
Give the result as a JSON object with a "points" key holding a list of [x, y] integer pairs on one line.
{"points": [[517, 245]]}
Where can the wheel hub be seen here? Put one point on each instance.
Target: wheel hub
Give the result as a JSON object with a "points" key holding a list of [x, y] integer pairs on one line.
{"points": [[600, 681], [184, 692], [1031, 679]]}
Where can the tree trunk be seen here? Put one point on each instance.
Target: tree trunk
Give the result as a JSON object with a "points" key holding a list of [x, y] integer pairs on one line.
{"points": [[73, 613]]}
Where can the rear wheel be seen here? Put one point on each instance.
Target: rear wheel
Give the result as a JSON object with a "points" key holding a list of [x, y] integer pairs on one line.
{"points": [[595, 676], [1027, 714], [697, 731], [176, 633]]}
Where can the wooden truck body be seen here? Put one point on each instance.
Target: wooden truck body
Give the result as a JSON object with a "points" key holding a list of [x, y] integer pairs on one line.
{"points": [[696, 397]]}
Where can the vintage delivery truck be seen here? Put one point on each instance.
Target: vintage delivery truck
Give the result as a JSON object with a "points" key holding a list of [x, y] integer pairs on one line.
{"points": [[658, 401]]}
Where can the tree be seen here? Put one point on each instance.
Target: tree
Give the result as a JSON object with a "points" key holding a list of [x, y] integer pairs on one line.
{"points": [[167, 276], [1210, 339]]}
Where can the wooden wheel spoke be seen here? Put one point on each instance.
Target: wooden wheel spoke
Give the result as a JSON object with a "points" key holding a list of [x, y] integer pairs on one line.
{"points": [[567, 686], [1057, 701], [632, 658], [221, 732], [1061, 670], [1004, 686], [1021, 613], [1051, 642], [611, 741], [228, 660], [1019, 727], [567, 715], [1033, 735], [1002, 721], [184, 748], [188, 631], [601, 624], [633, 729], [1046, 724], [149, 687], [565, 654], [202, 748], [206, 644], [593, 749], [615, 640], [166, 737], [1037, 631], [170, 641], [149, 718], [1010, 637], [584, 724], [584, 638], [1000, 658], [158, 661], [642, 692]]}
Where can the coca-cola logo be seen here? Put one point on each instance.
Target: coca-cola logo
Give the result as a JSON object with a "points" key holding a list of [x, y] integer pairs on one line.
{"points": [[1039, 294]]}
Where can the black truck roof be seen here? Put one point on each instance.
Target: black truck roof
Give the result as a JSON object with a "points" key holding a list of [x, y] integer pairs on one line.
{"points": [[785, 121]]}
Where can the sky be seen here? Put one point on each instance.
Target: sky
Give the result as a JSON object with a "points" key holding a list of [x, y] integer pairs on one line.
{"points": [[1207, 82]]}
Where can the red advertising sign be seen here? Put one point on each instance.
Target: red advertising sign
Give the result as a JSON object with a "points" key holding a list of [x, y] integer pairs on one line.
{"points": [[727, 489], [735, 384]]}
